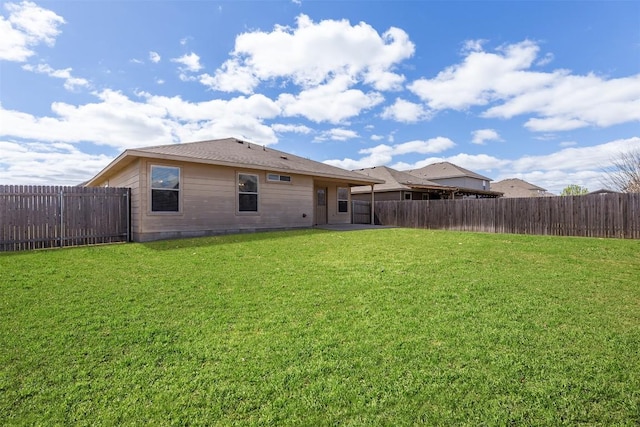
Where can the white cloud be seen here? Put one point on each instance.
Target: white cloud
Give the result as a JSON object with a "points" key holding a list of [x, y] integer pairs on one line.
{"points": [[190, 62], [331, 102], [483, 77], [118, 121], [568, 144], [115, 121], [383, 154], [584, 166], [481, 136], [473, 45], [577, 101], [62, 164], [27, 26], [546, 59], [154, 57], [286, 128], [235, 79], [377, 137], [313, 53], [337, 134], [405, 111], [559, 100], [70, 83]]}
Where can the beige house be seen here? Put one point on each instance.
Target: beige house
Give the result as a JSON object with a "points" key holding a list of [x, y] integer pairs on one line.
{"points": [[515, 187], [400, 185], [227, 185]]}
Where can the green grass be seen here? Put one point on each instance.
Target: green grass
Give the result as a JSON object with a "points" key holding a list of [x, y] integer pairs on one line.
{"points": [[377, 327]]}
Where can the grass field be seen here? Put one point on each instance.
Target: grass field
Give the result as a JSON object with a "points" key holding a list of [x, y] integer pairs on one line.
{"points": [[375, 327]]}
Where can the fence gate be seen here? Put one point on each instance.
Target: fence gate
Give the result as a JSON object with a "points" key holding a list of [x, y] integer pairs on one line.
{"points": [[360, 212], [37, 217]]}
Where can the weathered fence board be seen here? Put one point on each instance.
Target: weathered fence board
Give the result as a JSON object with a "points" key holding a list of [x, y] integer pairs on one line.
{"points": [[360, 212], [598, 215], [37, 217]]}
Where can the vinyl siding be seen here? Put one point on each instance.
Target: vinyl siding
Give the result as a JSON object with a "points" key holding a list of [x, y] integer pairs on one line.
{"points": [[463, 182]]}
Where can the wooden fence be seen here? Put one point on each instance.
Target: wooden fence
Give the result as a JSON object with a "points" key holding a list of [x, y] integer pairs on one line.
{"points": [[598, 215], [36, 217], [360, 212]]}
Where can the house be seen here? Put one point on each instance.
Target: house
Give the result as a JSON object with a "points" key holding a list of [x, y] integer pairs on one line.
{"points": [[468, 184], [227, 185], [400, 185], [602, 191], [515, 187]]}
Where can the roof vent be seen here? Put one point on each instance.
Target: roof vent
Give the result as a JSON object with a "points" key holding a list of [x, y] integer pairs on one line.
{"points": [[284, 157]]}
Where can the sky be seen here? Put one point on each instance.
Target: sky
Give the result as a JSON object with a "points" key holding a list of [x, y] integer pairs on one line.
{"points": [[545, 91]]}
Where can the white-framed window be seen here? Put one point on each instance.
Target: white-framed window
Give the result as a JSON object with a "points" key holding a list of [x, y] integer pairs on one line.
{"points": [[165, 188], [407, 196], [343, 200], [274, 177], [247, 192]]}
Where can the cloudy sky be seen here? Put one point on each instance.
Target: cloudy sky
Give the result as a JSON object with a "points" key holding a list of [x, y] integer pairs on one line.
{"points": [[544, 91]]}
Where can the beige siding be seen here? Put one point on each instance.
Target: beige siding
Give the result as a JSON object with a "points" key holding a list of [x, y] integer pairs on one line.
{"points": [[333, 216], [208, 200]]}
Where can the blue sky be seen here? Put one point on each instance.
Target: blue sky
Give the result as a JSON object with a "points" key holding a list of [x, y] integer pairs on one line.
{"points": [[544, 91]]}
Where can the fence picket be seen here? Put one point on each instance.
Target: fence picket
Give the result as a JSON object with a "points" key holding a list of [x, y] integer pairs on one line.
{"points": [[598, 215], [36, 217]]}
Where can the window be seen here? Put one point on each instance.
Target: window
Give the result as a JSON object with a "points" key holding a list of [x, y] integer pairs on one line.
{"points": [[278, 178], [247, 192], [343, 200], [407, 196], [165, 189]]}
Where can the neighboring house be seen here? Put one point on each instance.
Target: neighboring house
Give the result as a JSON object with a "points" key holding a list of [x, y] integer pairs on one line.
{"points": [[602, 191], [400, 186], [227, 185], [515, 187], [468, 184]]}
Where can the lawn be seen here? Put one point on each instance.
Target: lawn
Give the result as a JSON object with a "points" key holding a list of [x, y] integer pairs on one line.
{"points": [[375, 327]]}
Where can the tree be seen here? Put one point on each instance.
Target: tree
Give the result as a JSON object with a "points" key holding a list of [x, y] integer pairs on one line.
{"points": [[624, 175], [574, 190]]}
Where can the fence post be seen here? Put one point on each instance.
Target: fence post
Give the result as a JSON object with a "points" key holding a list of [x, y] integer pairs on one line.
{"points": [[128, 197], [61, 211]]}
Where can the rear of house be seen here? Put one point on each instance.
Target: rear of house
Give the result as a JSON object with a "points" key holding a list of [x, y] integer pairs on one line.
{"points": [[228, 185]]}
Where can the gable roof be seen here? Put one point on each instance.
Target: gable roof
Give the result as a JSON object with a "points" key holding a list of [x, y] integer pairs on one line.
{"points": [[515, 187], [445, 170], [517, 183], [397, 180], [233, 152]]}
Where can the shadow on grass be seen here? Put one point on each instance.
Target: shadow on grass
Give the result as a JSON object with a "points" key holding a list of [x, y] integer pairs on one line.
{"points": [[229, 238]]}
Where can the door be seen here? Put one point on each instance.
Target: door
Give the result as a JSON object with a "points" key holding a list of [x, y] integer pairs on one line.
{"points": [[321, 206]]}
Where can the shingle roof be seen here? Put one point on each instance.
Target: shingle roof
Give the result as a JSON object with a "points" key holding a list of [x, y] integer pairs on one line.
{"points": [[444, 170], [396, 180], [236, 153], [515, 187]]}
